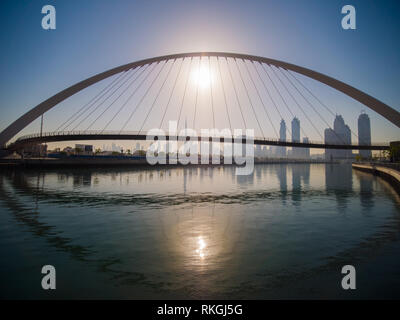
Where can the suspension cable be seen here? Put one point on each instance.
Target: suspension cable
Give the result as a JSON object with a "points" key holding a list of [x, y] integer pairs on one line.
{"points": [[92, 101], [270, 96], [197, 93], [158, 93], [211, 91], [236, 94], [172, 91], [101, 103], [316, 98], [296, 102], [112, 103], [129, 98], [283, 99], [223, 90], [147, 91], [310, 104], [310, 92], [248, 97], [184, 92], [259, 96]]}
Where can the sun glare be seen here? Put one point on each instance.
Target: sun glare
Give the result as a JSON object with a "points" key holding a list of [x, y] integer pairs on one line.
{"points": [[202, 76]]}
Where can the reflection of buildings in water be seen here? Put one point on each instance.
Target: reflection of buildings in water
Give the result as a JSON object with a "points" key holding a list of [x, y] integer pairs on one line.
{"points": [[296, 184], [62, 178], [258, 171], [300, 175], [202, 173], [202, 243], [210, 172], [339, 179], [244, 179], [366, 194], [188, 173], [281, 173], [184, 180], [83, 178], [305, 168]]}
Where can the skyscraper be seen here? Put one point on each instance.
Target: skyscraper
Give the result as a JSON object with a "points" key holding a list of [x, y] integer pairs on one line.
{"points": [[341, 134], [295, 136], [306, 151], [330, 138], [364, 134], [281, 151]]}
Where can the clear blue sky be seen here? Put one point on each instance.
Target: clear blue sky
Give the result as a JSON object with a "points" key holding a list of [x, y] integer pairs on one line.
{"points": [[95, 35]]}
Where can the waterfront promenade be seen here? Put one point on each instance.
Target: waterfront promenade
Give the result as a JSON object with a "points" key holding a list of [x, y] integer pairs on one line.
{"points": [[390, 171]]}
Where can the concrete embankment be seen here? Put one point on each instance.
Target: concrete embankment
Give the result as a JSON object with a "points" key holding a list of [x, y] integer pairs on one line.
{"points": [[390, 172]]}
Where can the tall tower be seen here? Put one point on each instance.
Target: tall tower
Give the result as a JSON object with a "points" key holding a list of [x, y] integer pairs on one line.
{"points": [[282, 137], [295, 136], [364, 134], [306, 151], [343, 136], [329, 138], [282, 131]]}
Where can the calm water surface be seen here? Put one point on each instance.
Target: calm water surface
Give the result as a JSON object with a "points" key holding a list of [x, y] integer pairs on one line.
{"points": [[197, 232]]}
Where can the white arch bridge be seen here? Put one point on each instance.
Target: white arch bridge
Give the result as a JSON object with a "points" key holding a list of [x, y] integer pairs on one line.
{"points": [[245, 74]]}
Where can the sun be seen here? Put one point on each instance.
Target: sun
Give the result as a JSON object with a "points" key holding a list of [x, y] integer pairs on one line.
{"points": [[202, 76]]}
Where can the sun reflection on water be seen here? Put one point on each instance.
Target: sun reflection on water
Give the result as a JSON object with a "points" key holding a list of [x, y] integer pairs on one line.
{"points": [[201, 247]]}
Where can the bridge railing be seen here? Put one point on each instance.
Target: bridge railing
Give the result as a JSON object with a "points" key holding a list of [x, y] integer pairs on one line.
{"points": [[116, 133]]}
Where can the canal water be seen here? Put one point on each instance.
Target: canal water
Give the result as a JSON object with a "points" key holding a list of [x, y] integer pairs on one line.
{"points": [[285, 231]]}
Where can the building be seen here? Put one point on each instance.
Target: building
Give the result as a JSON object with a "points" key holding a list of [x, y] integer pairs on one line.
{"points": [[340, 134], [281, 151], [364, 134], [83, 148], [343, 135], [296, 152], [305, 152], [35, 150], [329, 138]]}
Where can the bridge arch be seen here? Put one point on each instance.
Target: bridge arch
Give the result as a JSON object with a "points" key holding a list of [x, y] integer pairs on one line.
{"points": [[384, 110]]}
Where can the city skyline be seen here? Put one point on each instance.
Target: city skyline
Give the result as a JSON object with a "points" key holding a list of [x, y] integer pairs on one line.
{"points": [[339, 134]]}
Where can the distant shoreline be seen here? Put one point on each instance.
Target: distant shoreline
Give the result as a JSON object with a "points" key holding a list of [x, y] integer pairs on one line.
{"points": [[92, 162]]}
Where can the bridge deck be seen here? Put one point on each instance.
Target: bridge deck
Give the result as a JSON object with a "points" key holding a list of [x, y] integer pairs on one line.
{"points": [[82, 136]]}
